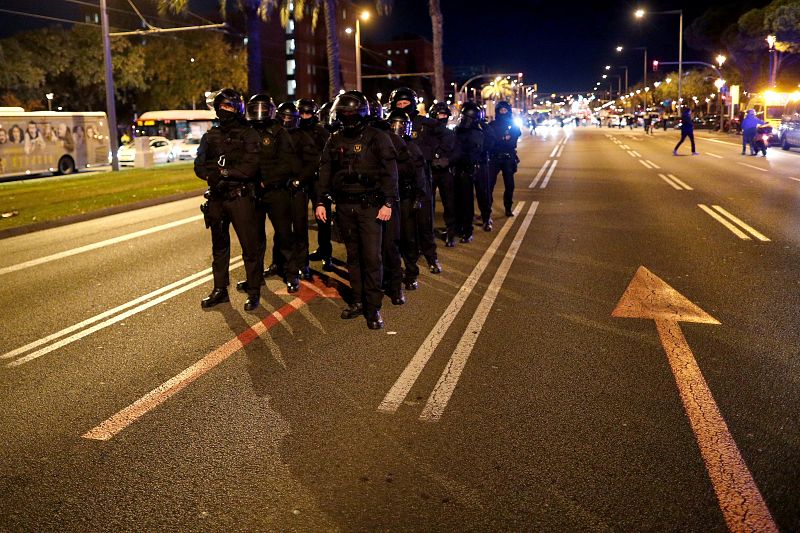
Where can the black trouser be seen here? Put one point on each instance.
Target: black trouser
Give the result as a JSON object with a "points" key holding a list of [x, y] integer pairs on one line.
{"points": [[362, 233], [324, 245], [443, 180], [299, 208], [392, 266], [689, 134], [243, 214], [482, 193], [508, 166], [425, 234], [277, 204], [409, 244], [464, 201]]}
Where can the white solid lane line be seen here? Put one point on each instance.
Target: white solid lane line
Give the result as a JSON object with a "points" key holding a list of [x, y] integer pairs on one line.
{"points": [[754, 167], [549, 174], [391, 402], [106, 314], [749, 229], [555, 149], [539, 175], [680, 182], [719, 218], [714, 155], [670, 182], [561, 150], [118, 318], [96, 245], [443, 391]]}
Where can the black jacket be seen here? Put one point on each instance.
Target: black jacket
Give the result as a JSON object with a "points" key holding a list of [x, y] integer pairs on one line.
{"points": [[365, 162], [276, 154], [469, 148], [410, 168], [505, 136], [231, 149], [307, 156], [427, 134]]}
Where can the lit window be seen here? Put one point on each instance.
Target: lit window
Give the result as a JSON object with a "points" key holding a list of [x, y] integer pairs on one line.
{"points": [[389, 52], [290, 26], [344, 14], [290, 46], [397, 52], [309, 68], [388, 62], [291, 87], [405, 51], [290, 67]]}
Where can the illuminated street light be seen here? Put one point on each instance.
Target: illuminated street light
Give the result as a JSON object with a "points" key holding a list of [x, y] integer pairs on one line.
{"points": [[721, 60], [619, 48], [639, 13], [49, 97], [364, 16], [719, 83], [348, 31], [771, 41], [608, 67]]}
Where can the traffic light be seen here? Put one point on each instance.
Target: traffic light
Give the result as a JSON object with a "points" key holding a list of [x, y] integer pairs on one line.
{"points": [[655, 65]]}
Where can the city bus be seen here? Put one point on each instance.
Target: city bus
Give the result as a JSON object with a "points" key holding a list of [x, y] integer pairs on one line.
{"points": [[36, 142], [175, 124]]}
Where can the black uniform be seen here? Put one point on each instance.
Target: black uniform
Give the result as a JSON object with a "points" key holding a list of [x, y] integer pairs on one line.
{"points": [[443, 180], [227, 159], [468, 154], [503, 158], [320, 136], [359, 170], [276, 170], [307, 157], [481, 176], [413, 190], [427, 135]]}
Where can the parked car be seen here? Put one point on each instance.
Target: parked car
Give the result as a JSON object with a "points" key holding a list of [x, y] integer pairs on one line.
{"points": [[160, 147], [790, 125], [185, 149]]}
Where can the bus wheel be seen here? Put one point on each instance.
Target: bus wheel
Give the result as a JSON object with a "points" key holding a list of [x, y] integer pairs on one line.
{"points": [[66, 165], [784, 143]]}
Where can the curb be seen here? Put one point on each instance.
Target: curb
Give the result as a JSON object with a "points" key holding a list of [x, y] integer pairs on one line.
{"points": [[72, 219]]}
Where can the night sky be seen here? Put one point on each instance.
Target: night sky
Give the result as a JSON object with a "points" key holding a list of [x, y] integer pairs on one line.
{"points": [[562, 46]]}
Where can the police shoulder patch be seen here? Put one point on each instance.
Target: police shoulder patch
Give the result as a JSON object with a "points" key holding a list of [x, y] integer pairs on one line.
{"points": [[267, 141], [414, 134], [357, 148]]}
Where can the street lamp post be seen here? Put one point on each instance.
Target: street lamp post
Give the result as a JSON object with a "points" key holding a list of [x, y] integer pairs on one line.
{"points": [[364, 15], [49, 97], [719, 84], [640, 13], [772, 63]]}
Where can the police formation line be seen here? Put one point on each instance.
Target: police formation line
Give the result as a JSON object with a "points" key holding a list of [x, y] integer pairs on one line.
{"points": [[374, 177]]}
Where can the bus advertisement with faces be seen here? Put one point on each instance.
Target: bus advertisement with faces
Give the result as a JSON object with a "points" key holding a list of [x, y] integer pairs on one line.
{"points": [[44, 141]]}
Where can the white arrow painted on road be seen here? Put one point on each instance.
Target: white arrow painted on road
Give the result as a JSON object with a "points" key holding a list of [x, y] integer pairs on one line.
{"points": [[649, 297]]}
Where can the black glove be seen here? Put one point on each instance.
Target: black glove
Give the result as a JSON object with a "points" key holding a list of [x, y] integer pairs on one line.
{"points": [[294, 185], [417, 205]]}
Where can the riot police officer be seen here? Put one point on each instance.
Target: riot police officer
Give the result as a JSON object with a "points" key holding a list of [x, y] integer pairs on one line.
{"points": [[359, 171], [276, 156], [482, 193], [466, 161], [306, 163], [503, 154], [309, 123], [427, 134], [412, 188], [442, 173], [227, 159]]}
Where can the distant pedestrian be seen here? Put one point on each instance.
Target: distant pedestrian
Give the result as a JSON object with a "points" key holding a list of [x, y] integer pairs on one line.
{"points": [[687, 130], [647, 121], [750, 125]]}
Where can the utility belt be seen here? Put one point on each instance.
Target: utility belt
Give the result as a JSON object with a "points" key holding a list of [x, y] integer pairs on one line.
{"points": [[274, 186], [503, 156], [231, 190], [352, 178], [364, 199], [407, 191]]}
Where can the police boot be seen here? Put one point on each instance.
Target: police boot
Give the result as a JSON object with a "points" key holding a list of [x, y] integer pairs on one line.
{"points": [[241, 286], [466, 239], [273, 270], [353, 311], [488, 225], [435, 267], [318, 255], [450, 241], [293, 284], [305, 273], [398, 297], [374, 320], [252, 303], [327, 264], [217, 296], [509, 212], [411, 284]]}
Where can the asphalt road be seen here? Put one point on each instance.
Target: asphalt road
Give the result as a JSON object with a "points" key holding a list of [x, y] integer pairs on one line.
{"points": [[503, 396]]}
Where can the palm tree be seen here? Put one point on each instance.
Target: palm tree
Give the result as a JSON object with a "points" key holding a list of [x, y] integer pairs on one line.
{"points": [[497, 90], [438, 66]]}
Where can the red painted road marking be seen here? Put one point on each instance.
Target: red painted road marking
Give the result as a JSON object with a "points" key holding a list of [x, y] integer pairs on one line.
{"points": [[124, 418]]}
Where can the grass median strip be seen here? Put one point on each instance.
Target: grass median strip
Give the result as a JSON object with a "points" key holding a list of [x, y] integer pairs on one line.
{"points": [[50, 198]]}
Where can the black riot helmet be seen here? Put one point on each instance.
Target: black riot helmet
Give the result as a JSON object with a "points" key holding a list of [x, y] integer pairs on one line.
{"points": [[260, 108], [375, 109], [351, 109], [503, 110], [288, 114], [228, 103], [400, 123], [325, 118], [440, 108], [404, 94], [471, 115], [307, 106]]}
